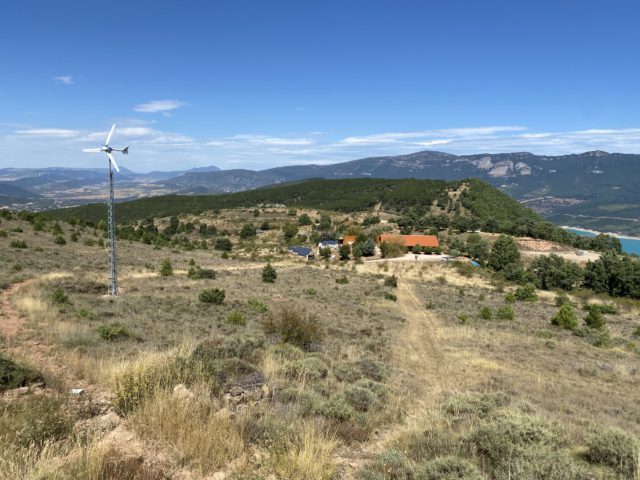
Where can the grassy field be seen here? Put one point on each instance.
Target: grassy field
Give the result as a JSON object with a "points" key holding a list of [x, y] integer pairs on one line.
{"points": [[329, 372]]}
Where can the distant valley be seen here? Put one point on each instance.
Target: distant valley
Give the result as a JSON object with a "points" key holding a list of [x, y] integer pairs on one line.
{"points": [[593, 189]]}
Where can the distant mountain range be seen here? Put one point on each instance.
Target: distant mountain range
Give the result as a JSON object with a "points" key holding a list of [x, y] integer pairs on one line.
{"points": [[592, 189]]}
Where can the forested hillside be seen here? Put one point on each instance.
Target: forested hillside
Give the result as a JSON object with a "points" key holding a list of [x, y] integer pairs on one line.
{"points": [[479, 200]]}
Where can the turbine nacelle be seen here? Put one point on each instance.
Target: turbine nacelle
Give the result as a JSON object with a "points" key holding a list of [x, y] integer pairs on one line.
{"points": [[108, 150]]}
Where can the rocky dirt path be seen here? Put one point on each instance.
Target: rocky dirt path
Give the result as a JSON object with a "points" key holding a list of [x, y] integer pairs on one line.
{"points": [[113, 429]]}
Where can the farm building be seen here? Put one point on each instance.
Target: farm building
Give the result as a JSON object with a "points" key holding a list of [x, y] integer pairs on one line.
{"points": [[305, 252], [347, 240], [332, 244], [410, 240]]}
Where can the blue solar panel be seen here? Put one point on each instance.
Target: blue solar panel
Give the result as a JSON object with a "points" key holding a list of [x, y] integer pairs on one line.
{"points": [[301, 251]]}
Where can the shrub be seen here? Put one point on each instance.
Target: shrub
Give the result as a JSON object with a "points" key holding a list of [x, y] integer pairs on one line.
{"points": [[508, 439], [59, 240], [616, 449], [595, 319], [114, 331], [463, 318], [289, 231], [510, 298], [347, 373], [598, 337], [561, 299], [345, 252], [337, 408], [18, 244], [636, 332], [304, 219], [292, 326], [603, 308], [566, 317], [269, 274], [390, 296], [235, 318], [486, 313], [361, 399], [392, 249], [310, 291], [166, 268], [391, 281], [607, 309], [132, 388], [505, 313], [448, 468], [311, 368], [257, 306], [217, 348], [223, 244], [479, 405], [3, 234], [197, 273], [379, 390], [59, 297], [248, 230], [342, 280], [14, 375], [212, 295], [389, 465], [526, 293], [372, 369], [35, 421]]}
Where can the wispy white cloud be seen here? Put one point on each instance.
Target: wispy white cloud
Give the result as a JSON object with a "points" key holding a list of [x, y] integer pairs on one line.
{"points": [[159, 106], [64, 79], [154, 148], [397, 137], [433, 143], [266, 140], [49, 132]]}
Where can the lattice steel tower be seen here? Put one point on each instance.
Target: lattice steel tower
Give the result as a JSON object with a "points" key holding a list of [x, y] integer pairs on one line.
{"points": [[111, 221]]}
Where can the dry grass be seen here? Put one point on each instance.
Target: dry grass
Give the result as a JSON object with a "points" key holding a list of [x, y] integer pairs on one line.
{"points": [[430, 356], [192, 428], [308, 456]]}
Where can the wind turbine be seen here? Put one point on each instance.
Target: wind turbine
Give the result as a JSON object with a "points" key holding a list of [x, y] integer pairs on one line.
{"points": [[111, 225]]}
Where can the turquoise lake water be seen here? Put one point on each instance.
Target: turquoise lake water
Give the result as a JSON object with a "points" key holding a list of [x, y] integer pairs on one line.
{"points": [[629, 245]]}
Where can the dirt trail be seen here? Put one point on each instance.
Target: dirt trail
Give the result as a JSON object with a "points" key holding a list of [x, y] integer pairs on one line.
{"points": [[422, 339], [419, 354], [10, 321]]}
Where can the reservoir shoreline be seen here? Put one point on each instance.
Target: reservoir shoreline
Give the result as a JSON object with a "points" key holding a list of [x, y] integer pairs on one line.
{"points": [[629, 244]]}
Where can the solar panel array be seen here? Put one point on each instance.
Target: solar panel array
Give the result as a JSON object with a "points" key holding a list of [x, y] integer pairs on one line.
{"points": [[300, 251]]}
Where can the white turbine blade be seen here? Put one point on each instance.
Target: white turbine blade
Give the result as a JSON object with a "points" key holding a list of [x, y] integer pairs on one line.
{"points": [[113, 127], [92, 150], [113, 161]]}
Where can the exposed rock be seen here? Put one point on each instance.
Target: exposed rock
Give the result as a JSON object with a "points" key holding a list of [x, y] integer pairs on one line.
{"points": [[217, 476], [223, 413], [182, 392], [17, 392]]}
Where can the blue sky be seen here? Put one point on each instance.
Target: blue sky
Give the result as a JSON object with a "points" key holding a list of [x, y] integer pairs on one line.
{"points": [[258, 84]]}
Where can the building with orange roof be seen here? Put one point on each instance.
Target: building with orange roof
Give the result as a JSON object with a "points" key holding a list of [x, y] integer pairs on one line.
{"points": [[410, 240], [348, 240]]}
